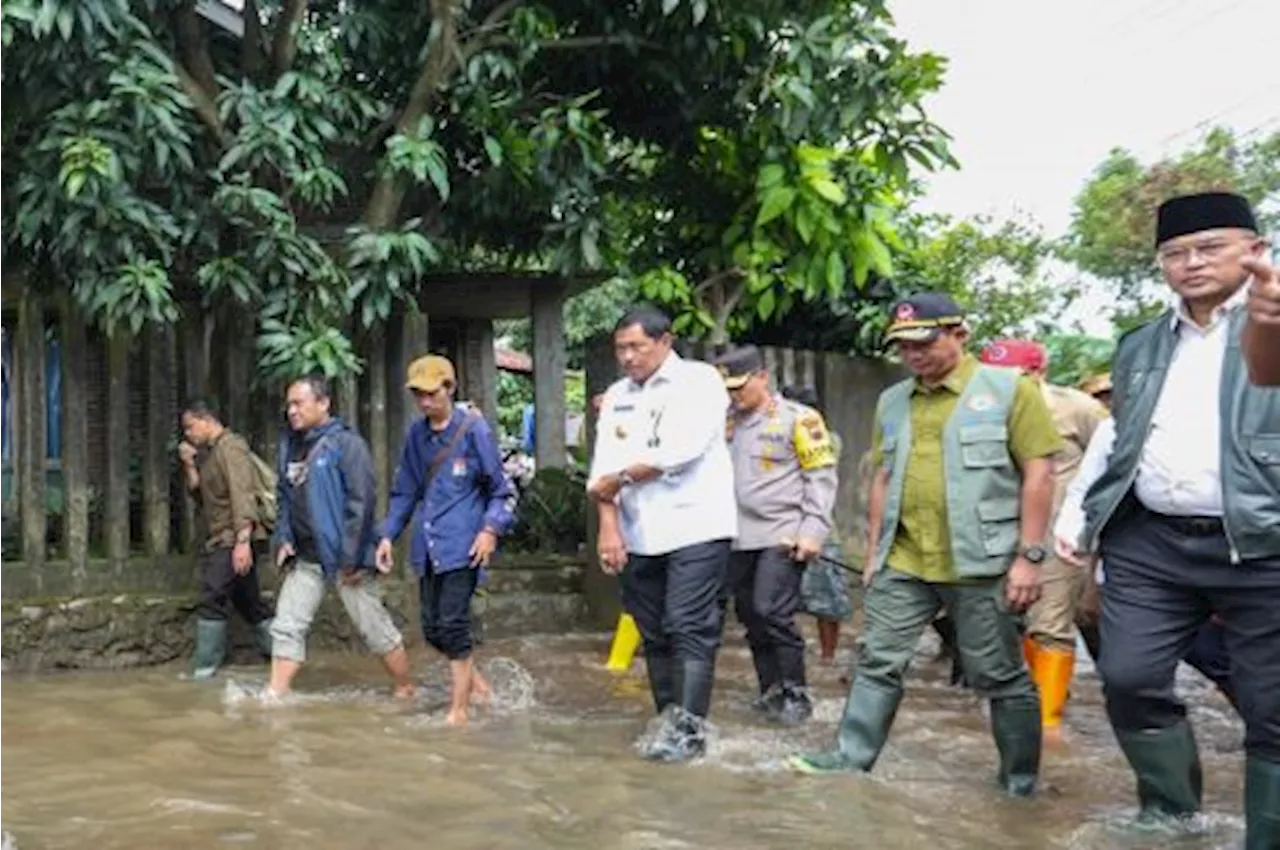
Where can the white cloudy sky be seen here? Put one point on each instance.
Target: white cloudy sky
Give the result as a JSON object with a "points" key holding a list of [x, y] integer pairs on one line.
{"points": [[1039, 91]]}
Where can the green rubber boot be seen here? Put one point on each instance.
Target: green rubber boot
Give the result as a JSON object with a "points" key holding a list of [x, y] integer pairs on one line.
{"points": [[863, 730], [1167, 765], [262, 637], [1015, 725], [1261, 804], [211, 648]]}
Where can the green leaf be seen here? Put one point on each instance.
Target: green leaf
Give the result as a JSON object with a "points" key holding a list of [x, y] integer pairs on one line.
{"points": [[829, 189], [770, 175], [776, 201], [699, 11], [74, 183], [765, 304], [835, 274], [669, 6], [494, 149]]}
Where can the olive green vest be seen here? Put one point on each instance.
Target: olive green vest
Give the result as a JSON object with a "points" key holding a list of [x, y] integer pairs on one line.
{"points": [[1250, 442], [983, 483]]}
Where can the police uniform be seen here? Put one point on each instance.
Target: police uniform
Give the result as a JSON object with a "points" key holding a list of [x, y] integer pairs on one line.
{"points": [[784, 467], [951, 456]]}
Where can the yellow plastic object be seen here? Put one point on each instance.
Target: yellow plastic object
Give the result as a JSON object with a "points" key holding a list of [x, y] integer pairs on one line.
{"points": [[626, 640]]}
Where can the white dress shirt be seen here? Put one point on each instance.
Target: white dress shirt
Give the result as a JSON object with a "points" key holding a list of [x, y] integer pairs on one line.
{"points": [[1178, 472], [1069, 525], [675, 422]]}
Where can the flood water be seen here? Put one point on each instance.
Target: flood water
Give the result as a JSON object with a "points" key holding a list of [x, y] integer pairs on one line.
{"points": [[142, 759]]}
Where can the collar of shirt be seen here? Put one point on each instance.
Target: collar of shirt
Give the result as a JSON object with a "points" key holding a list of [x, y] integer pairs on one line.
{"points": [[769, 408], [1181, 317], [663, 374], [454, 418], [956, 381]]}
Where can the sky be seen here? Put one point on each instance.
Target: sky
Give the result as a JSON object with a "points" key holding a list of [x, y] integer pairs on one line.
{"points": [[1038, 92]]}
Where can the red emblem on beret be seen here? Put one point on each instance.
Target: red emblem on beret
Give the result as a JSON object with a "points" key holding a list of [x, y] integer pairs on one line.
{"points": [[904, 313]]}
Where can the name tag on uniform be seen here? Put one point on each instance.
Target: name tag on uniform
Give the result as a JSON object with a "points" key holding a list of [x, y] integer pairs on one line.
{"points": [[623, 408], [459, 467]]}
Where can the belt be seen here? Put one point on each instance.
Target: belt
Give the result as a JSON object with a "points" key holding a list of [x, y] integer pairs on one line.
{"points": [[1191, 526]]}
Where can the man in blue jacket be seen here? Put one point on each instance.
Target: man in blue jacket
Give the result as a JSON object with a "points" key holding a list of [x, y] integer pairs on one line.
{"points": [[325, 532], [450, 465]]}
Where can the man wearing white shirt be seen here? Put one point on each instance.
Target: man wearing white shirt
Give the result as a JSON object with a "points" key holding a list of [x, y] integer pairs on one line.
{"points": [[662, 481], [1186, 517]]}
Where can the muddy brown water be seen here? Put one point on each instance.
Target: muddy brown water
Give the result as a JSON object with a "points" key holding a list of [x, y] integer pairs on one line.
{"points": [[143, 759]]}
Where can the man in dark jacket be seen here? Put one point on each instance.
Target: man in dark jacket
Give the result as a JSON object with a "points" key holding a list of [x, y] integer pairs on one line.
{"points": [[324, 533], [451, 467], [1186, 520]]}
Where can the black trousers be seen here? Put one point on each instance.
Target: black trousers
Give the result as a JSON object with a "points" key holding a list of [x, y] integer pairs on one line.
{"points": [[221, 589], [766, 595], [1164, 580], [444, 607], [675, 600]]}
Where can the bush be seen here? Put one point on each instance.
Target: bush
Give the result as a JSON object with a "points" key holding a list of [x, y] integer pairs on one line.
{"points": [[552, 514]]}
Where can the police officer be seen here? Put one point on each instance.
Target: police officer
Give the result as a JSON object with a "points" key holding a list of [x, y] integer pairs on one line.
{"points": [[1050, 642], [784, 468], [959, 510], [1186, 517]]}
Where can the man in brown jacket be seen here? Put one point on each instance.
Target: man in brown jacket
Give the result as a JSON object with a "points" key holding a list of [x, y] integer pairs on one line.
{"points": [[220, 474]]}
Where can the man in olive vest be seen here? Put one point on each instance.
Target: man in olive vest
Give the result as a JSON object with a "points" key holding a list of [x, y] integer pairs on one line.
{"points": [[1050, 643], [958, 514], [1186, 517]]}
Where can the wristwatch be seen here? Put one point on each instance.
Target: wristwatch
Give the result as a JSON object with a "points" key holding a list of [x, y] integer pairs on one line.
{"points": [[1034, 554]]}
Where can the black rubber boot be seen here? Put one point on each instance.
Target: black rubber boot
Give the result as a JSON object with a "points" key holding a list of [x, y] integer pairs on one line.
{"points": [[1261, 804], [863, 730], [211, 648], [797, 705], [662, 680], [1015, 725], [1167, 765], [683, 735], [766, 664]]}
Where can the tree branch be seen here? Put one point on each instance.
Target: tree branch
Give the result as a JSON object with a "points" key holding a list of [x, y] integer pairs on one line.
{"points": [[253, 47], [284, 49], [205, 108], [193, 48], [442, 56]]}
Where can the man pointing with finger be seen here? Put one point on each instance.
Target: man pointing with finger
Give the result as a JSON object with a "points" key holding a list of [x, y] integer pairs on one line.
{"points": [[958, 515], [450, 465]]}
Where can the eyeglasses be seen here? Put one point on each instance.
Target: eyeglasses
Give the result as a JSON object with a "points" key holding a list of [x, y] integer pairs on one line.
{"points": [[1181, 256]]}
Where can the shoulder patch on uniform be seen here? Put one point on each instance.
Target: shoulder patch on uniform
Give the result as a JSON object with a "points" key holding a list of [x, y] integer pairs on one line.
{"points": [[814, 448]]}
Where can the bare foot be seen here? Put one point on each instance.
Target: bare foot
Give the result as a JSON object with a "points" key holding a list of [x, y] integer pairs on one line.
{"points": [[481, 693], [406, 691], [456, 717]]}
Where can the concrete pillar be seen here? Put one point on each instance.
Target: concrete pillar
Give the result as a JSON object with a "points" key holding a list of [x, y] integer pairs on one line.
{"points": [[549, 362], [479, 367]]}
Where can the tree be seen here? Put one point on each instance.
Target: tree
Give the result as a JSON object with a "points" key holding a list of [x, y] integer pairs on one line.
{"points": [[1114, 218], [315, 171], [998, 271], [783, 194]]}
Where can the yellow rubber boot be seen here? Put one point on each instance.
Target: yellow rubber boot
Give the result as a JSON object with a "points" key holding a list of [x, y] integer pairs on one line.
{"points": [[1052, 673], [626, 640], [1029, 651]]}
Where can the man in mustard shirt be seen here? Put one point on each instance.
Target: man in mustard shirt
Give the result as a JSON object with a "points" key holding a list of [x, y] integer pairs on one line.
{"points": [[958, 514]]}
